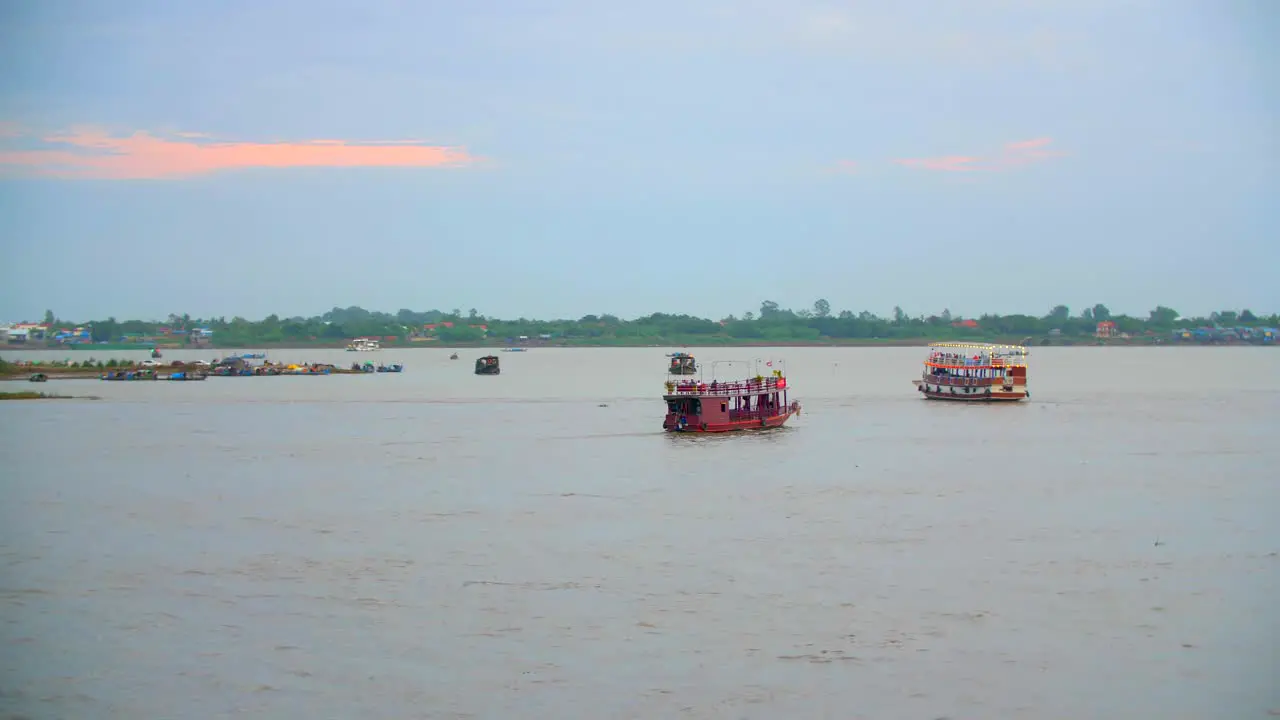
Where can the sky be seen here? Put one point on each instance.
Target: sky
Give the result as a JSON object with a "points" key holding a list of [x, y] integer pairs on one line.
{"points": [[563, 157]]}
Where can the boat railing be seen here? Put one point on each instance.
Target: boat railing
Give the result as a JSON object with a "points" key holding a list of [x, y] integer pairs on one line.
{"points": [[964, 381], [740, 415], [982, 365], [715, 387]]}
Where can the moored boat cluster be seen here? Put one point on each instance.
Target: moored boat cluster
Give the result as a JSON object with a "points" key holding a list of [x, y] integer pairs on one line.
{"points": [[243, 365]]}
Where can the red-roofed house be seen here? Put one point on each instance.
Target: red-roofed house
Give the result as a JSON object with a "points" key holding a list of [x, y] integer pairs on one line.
{"points": [[1105, 329]]}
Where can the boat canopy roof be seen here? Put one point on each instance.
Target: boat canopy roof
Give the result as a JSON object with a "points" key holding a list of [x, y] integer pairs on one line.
{"points": [[984, 355], [719, 388], [982, 347]]}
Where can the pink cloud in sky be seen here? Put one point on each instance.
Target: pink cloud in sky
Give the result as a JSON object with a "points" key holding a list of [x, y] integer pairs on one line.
{"points": [[93, 153], [846, 167], [1014, 154]]}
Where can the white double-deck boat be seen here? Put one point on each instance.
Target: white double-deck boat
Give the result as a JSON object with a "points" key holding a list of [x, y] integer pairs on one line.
{"points": [[974, 372], [363, 345]]}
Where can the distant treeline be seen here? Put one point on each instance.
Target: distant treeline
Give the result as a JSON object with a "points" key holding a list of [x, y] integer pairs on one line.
{"points": [[770, 324]]}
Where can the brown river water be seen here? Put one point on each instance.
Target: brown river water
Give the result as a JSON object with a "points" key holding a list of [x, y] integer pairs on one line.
{"points": [[437, 544]]}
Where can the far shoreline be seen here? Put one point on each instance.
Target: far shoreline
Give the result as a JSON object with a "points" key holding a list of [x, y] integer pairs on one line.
{"points": [[853, 343]]}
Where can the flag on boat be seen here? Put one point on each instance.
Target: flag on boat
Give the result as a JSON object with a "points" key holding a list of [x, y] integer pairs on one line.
{"points": [[769, 364]]}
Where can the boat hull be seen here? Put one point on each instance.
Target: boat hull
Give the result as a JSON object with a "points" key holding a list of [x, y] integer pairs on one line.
{"points": [[768, 423], [997, 394]]}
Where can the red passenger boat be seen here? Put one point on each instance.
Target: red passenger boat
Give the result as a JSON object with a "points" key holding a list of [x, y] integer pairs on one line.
{"points": [[971, 372], [758, 403]]}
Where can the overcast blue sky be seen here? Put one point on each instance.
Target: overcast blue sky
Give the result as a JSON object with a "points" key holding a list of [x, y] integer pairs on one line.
{"points": [[567, 157]]}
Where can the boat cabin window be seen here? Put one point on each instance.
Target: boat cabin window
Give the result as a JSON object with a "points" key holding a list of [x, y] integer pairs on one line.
{"points": [[686, 406]]}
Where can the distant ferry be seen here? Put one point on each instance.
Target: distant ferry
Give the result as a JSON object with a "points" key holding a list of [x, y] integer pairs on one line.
{"points": [[363, 345], [758, 403], [488, 365], [971, 372], [682, 364]]}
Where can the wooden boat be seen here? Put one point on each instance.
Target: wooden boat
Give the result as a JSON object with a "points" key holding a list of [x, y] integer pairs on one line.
{"points": [[130, 375], [682, 364], [38, 377], [488, 365], [392, 368], [974, 372], [185, 376], [758, 403]]}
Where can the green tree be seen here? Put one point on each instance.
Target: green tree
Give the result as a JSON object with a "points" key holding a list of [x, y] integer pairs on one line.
{"points": [[105, 330], [821, 308], [1163, 317]]}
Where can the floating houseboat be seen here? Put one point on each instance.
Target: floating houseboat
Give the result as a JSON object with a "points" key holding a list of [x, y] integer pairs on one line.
{"points": [[973, 372], [186, 376], [682, 364], [364, 345], [488, 365], [129, 375], [757, 403]]}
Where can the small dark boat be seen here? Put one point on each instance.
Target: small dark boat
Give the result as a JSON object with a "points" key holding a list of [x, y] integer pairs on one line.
{"points": [[392, 368], [155, 353], [683, 364], [488, 365], [453, 356], [39, 377]]}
